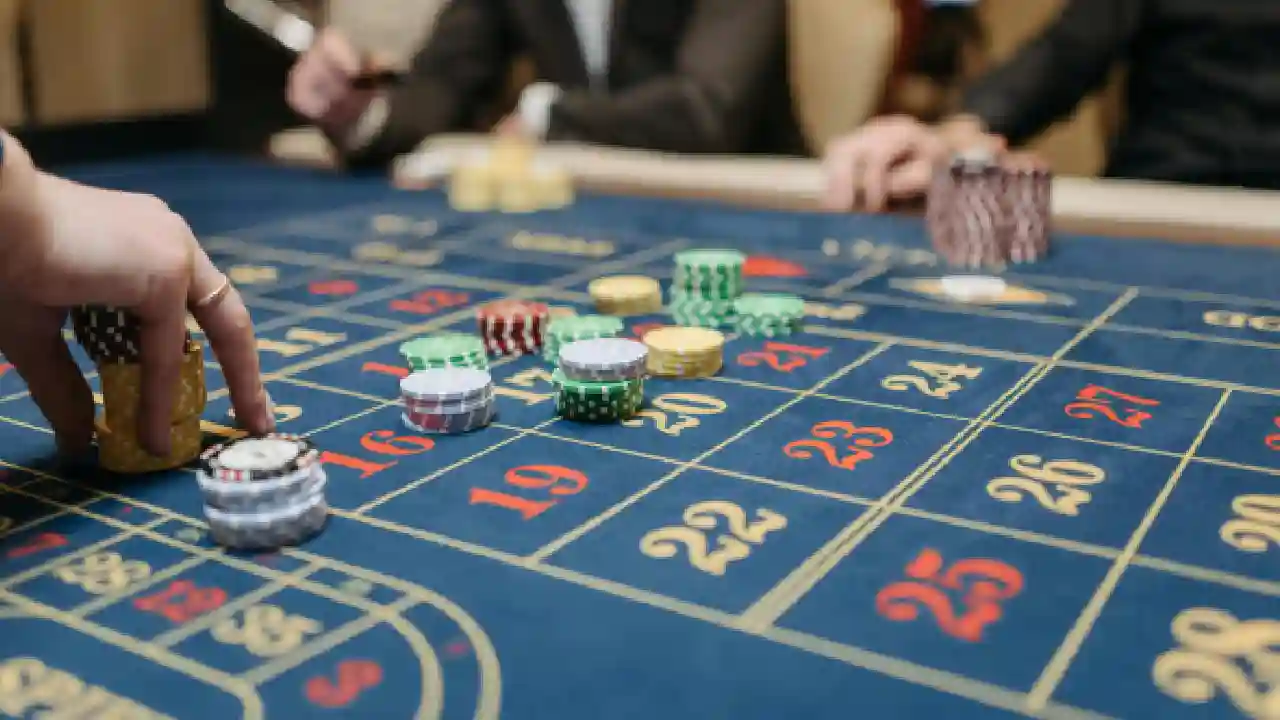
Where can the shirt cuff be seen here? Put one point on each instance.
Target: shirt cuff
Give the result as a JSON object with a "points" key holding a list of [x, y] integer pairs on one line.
{"points": [[369, 124], [534, 109]]}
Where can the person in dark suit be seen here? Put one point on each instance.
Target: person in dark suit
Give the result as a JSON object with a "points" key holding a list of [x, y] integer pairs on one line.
{"points": [[695, 76], [1201, 106]]}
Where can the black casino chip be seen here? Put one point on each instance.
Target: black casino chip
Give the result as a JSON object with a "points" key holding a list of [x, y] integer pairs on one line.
{"points": [[110, 335]]}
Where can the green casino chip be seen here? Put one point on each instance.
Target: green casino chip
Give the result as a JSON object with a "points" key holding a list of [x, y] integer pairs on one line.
{"points": [[769, 306], [444, 350]]}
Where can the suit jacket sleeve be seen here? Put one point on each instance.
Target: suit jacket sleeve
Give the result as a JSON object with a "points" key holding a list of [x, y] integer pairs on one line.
{"points": [[1045, 80], [462, 65], [730, 52]]}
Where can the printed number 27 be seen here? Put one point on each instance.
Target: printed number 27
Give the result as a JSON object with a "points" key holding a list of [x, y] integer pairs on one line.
{"points": [[1091, 402]]}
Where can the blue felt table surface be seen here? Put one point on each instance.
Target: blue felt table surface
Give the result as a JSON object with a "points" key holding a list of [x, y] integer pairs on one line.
{"points": [[1062, 502]]}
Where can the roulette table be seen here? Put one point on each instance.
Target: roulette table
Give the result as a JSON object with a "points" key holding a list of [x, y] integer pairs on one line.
{"points": [[1056, 497]]}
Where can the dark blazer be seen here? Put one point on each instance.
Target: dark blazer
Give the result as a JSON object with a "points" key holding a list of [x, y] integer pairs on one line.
{"points": [[1202, 96], [696, 76]]}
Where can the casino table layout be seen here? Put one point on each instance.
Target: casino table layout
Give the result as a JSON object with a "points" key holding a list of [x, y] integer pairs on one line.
{"points": [[1059, 500]]}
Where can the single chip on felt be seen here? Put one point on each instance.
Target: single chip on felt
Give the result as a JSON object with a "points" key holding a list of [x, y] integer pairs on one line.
{"points": [[968, 288]]}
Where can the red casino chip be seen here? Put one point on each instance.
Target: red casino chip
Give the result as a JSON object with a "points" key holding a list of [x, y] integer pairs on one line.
{"points": [[965, 213], [1027, 193], [513, 327]]}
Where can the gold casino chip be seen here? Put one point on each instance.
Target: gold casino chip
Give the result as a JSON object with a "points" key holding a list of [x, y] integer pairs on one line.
{"points": [[684, 351], [122, 389], [626, 295], [120, 452]]}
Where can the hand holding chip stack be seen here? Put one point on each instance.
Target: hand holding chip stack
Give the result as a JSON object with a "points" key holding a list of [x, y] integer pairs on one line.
{"points": [[111, 337]]}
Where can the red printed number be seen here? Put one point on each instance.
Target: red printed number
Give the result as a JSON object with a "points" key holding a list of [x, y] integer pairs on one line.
{"points": [[381, 442], [333, 287], [982, 584], [353, 678], [1273, 440], [43, 541], [5, 368], [782, 357], [182, 601], [1093, 401], [862, 437], [429, 301], [555, 480], [638, 330]]}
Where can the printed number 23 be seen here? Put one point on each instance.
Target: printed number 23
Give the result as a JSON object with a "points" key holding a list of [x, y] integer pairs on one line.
{"points": [[863, 437]]}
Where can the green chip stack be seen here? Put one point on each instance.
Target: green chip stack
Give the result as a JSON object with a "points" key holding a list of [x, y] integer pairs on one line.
{"points": [[705, 284], [563, 330], [445, 350], [768, 314], [597, 402]]}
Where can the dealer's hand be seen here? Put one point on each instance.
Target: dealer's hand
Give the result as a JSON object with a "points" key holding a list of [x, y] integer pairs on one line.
{"points": [[68, 244]]}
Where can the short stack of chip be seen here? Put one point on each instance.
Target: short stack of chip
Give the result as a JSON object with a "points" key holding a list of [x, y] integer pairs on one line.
{"points": [[625, 295], [684, 352], [445, 350], [513, 327], [768, 314], [262, 493], [112, 339], [447, 401], [985, 212], [563, 330], [600, 380], [704, 286]]}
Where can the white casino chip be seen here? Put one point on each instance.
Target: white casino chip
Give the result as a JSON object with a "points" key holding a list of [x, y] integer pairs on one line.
{"points": [[973, 287], [259, 454]]}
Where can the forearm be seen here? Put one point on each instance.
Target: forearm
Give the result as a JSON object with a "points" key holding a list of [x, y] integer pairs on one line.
{"points": [[1045, 80]]}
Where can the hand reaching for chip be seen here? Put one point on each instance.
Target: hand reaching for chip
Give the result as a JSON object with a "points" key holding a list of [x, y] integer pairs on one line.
{"points": [[67, 244]]}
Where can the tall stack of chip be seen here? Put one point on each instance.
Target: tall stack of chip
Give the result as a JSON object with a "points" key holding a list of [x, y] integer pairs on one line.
{"points": [[513, 327], [684, 352], [626, 295], [112, 339], [768, 314], [445, 350], [447, 401], [1027, 199], [704, 286], [600, 380], [964, 213], [262, 493], [563, 330], [984, 212]]}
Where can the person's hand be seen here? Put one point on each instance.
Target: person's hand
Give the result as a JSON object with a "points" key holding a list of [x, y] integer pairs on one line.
{"points": [[512, 126], [74, 245], [319, 86], [893, 158]]}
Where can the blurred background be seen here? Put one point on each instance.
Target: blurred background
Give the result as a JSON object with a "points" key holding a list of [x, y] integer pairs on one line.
{"points": [[95, 79]]}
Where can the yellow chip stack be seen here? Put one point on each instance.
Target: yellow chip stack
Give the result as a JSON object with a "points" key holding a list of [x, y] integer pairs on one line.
{"points": [[507, 179], [684, 352], [626, 295], [118, 447]]}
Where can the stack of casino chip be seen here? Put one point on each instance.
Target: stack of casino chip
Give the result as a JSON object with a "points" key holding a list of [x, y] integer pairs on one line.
{"points": [[626, 295], [768, 314], [447, 401], [112, 339], [600, 380], [684, 352], [513, 327], [984, 212], [571, 328], [704, 286], [262, 493], [445, 350]]}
